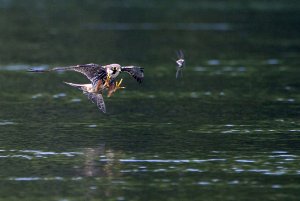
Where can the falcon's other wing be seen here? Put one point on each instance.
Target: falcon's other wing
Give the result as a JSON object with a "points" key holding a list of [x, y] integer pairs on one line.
{"points": [[136, 72]]}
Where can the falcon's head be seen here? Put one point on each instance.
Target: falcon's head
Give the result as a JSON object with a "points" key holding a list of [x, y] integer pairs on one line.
{"points": [[113, 70]]}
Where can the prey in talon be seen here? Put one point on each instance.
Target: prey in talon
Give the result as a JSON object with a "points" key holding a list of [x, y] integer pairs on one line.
{"points": [[102, 78], [180, 63]]}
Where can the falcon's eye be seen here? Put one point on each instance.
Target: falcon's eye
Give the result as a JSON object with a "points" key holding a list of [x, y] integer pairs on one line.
{"points": [[114, 70]]}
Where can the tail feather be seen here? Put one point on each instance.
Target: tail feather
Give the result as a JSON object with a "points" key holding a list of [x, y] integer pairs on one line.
{"points": [[79, 86]]}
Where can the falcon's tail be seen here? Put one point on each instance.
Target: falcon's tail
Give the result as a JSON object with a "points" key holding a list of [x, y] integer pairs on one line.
{"points": [[78, 86]]}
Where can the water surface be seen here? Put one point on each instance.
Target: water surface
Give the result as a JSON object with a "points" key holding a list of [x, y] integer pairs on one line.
{"points": [[227, 130]]}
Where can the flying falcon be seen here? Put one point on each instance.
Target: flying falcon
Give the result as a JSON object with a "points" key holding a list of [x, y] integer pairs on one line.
{"points": [[180, 63], [103, 78]]}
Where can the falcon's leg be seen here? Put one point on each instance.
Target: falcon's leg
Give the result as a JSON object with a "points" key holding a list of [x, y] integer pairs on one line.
{"points": [[118, 85], [107, 81], [99, 85], [111, 89], [115, 87]]}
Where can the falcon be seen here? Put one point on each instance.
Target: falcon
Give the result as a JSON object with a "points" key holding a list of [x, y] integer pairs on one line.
{"points": [[102, 78], [180, 63]]}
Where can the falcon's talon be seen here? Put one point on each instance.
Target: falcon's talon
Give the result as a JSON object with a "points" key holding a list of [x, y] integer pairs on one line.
{"points": [[118, 85], [107, 81]]}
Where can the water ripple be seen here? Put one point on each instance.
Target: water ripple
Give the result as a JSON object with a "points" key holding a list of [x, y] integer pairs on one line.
{"points": [[158, 26], [272, 61], [245, 161], [36, 96], [30, 154], [203, 183], [42, 178], [75, 100], [163, 160], [60, 95], [6, 122]]}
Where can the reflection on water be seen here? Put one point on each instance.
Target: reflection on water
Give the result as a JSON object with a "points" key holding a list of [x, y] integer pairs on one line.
{"points": [[92, 167], [101, 171], [102, 162]]}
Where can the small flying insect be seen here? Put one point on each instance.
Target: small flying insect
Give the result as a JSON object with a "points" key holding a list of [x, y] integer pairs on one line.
{"points": [[180, 63]]}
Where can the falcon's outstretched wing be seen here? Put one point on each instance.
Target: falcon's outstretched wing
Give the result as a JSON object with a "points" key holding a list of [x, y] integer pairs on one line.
{"points": [[97, 99], [93, 72], [136, 72]]}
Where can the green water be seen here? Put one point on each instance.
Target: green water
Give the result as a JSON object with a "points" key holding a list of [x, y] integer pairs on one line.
{"points": [[229, 129]]}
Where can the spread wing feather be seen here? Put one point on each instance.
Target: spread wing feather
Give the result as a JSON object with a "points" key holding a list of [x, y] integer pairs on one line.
{"points": [[93, 72], [97, 99]]}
